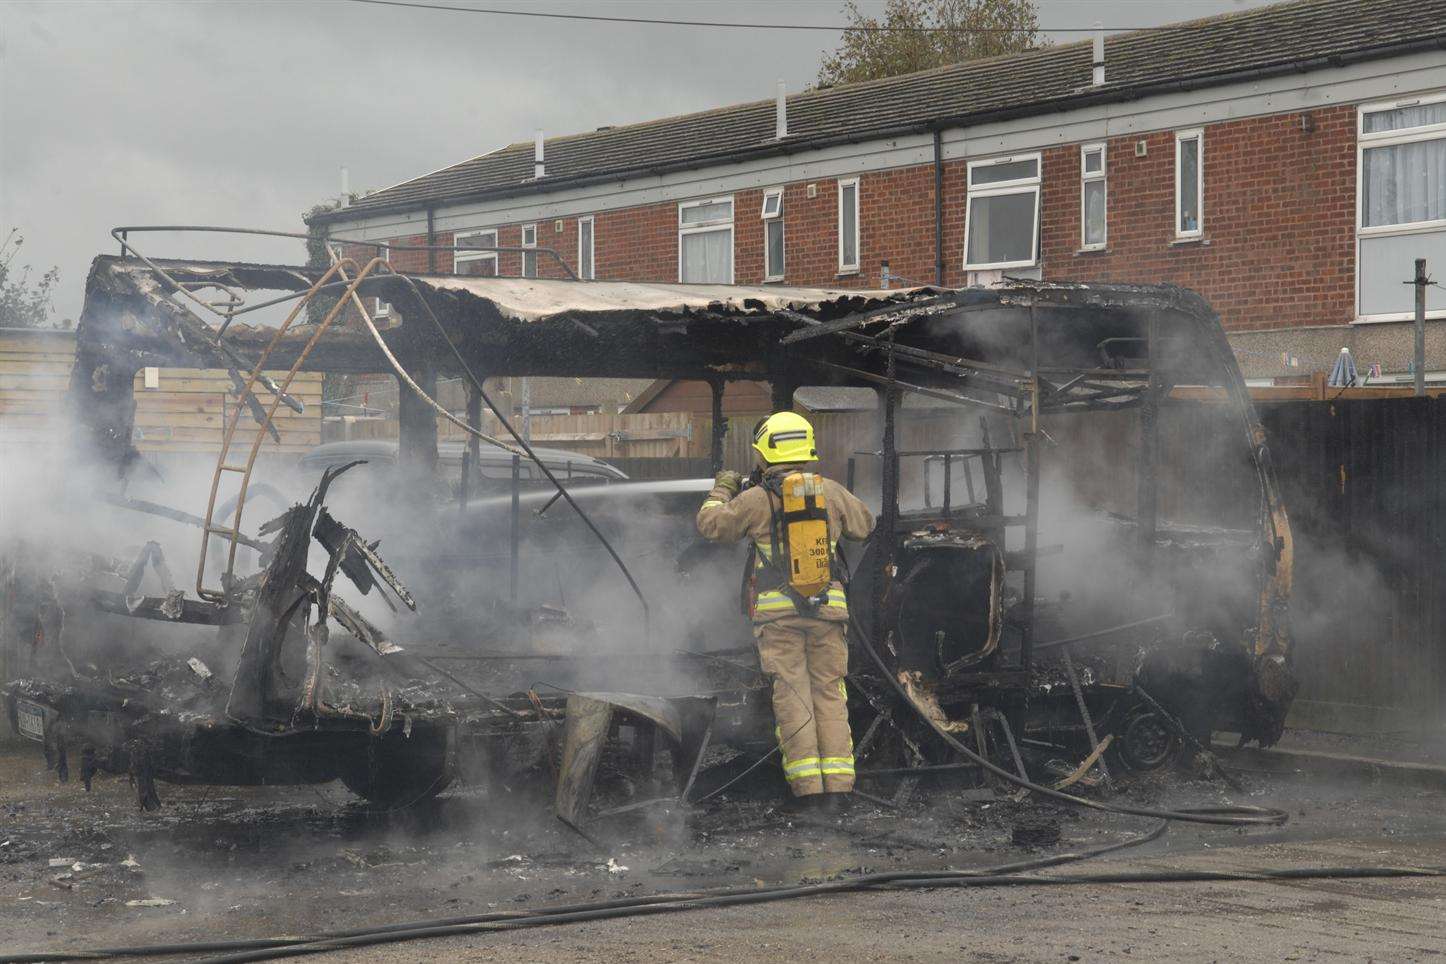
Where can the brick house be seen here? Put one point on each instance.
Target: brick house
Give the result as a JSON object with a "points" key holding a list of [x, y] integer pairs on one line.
{"points": [[1288, 162]]}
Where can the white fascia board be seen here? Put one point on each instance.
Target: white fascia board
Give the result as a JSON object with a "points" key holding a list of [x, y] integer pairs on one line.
{"points": [[1352, 84], [815, 165]]}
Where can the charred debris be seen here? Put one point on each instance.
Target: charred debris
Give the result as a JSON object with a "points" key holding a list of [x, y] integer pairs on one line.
{"points": [[272, 674]]}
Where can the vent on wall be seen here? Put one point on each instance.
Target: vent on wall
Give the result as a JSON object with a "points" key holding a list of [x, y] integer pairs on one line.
{"points": [[1141, 148]]}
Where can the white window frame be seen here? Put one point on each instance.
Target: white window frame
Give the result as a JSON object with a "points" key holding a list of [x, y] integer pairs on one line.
{"points": [[461, 255], [843, 266], [526, 256], [1088, 177], [380, 308], [774, 194], [587, 268], [717, 224], [1021, 185], [1366, 141], [1196, 134]]}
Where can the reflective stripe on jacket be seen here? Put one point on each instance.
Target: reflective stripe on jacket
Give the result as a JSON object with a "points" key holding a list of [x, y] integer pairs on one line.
{"points": [[723, 518]]}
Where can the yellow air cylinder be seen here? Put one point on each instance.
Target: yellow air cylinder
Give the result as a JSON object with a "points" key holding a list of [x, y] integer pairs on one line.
{"points": [[805, 522]]}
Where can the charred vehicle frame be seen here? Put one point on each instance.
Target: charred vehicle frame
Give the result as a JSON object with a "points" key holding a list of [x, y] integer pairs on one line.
{"points": [[944, 594]]}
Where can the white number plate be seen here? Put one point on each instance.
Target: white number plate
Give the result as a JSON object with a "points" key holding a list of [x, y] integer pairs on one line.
{"points": [[31, 719]]}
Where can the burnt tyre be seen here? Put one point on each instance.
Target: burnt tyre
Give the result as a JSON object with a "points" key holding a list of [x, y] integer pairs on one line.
{"points": [[396, 772], [1146, 741]]}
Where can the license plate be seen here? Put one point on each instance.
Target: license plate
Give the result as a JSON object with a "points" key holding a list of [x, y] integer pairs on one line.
{"points": [[31, 720]]}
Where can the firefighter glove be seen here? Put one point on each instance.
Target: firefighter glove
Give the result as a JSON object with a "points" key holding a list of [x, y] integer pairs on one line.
{"points": [[729, 481]]}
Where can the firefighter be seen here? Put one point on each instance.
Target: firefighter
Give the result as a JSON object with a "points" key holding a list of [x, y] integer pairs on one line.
{"points": [[793, 518]]}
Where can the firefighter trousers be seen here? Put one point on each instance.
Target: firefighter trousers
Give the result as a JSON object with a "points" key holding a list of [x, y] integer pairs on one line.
{"points": [[807, 660]]}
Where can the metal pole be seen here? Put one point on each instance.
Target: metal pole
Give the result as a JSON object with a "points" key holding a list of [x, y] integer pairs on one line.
{"points": [[474, 421], [948, 483], [466, 474], [720, 427], [1420, 284], [417, 426], [1031, 502], [516, 521], [939, 207], [1146, 476], [527, 409], [888, 493]]}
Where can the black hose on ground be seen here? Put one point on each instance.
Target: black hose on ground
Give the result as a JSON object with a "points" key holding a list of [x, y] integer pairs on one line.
{"points": [[621, 904], [1008, 876], [1244, 816], [841, 887]]}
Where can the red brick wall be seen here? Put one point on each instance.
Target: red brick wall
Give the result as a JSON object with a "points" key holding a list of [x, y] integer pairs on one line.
{"points": [[1278, 247], [1279, 219], [637, 244]]}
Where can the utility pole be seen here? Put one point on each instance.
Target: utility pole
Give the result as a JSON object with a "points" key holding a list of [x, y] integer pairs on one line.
{"points": [[1420, 284]]}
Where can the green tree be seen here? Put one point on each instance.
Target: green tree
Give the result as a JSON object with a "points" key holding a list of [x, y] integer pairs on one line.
{"points": [[919, 34], [24, 303]]}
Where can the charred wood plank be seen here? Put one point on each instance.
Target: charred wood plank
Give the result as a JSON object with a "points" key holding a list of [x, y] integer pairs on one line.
{"points": [[194, 611]]}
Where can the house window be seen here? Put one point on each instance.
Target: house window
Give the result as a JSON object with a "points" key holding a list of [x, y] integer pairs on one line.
{"points": [[773, 235], [380, 308], [1189, 183], [1401, 204], [705, 241], [1001, 221], [467, 260], [529, 258], [848, 225], [585, 262], [1092, 197]]}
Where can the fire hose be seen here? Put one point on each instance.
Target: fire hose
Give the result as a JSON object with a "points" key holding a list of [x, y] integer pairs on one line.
{"points": [[1008, 875], [1237, 816]]}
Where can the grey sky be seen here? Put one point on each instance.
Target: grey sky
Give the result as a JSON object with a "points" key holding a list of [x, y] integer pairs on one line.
{"points": [[241, 113]]}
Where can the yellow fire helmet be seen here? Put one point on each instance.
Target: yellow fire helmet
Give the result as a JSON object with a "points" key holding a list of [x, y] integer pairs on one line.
{"points": [[784, 437]]}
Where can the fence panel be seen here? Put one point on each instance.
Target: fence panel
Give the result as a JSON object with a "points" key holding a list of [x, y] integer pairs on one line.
{"points": [[1362, 483], [659, 435]]}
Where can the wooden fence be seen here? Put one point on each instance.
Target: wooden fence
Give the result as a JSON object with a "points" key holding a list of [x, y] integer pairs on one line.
{"points": [[665, 435], [186, 411], [34, 375], [178, 410], [1364, 483]]}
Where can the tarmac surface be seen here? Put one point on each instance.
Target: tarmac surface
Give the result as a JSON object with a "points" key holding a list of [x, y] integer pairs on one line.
{"points": [[220, 862]]}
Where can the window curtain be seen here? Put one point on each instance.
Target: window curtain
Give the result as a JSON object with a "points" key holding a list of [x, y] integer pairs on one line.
{"points": [[708, 257], [1094, 206], [1405, 183], [774, 230]]}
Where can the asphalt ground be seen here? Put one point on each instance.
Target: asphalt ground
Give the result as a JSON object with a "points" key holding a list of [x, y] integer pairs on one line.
{"points": [[219, 863]]}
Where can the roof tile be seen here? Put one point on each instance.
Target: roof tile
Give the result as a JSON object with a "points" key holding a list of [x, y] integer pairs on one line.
{"points": [[1202, 52]]}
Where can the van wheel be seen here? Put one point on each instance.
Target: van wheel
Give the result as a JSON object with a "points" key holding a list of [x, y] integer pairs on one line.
{"points": [[395, 773], [1146, 741]]}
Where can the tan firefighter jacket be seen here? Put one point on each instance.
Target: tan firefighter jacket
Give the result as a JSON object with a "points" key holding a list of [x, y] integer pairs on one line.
{"points": [[748, 515]]}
